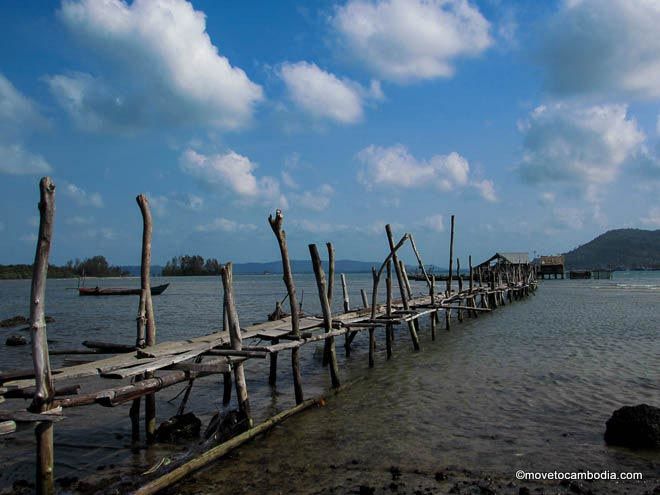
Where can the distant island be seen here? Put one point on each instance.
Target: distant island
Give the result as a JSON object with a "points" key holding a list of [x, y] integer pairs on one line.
{"points": [[186, 265], [96, 266], [620, 249]]}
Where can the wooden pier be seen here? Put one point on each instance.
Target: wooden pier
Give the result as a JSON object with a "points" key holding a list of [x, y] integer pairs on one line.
{"points": [[140, 371]]}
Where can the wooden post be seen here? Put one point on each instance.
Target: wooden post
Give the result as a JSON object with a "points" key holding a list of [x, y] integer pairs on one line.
{"points": [[146, 305], [276, 225], [389, 329], [344, 288], [451, 257], [327, 315], [43, 394], [399, 276], [372, 330], [459, 311], [226, 384], [365, 299], [236, 341], [347, 308], [432, 316], [419, 260], [406, 281], [331, 284]]}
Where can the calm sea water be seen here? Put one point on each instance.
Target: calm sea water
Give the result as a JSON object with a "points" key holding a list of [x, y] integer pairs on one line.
{"points": [[529, 386]]}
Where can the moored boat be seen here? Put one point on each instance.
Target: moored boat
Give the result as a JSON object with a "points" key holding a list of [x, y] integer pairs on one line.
{"points": [[119, 291]]}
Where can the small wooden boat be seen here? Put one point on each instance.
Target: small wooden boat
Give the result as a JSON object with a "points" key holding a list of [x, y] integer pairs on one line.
{"points": [[119, 291]]}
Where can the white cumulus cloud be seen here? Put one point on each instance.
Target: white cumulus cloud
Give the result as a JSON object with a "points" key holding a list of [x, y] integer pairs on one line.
{"points": [[160, 66], [434, 222], [234, 172], [225, 225], [82, 197], [604, 45], [578, 145], [324, 95], [408, 40], [394, 166], [18, 116], [318, 199]]}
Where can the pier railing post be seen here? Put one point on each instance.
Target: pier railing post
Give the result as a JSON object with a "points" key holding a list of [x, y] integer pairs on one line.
{"points": [[43, 395], [327, 314], [276, 225], [236, 341]]}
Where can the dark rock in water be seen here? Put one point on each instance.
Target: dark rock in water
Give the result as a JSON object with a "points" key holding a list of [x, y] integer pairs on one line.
{"points": [[635, 427], [16, 340], [13, 322], [179, 428], [49, 319], [222, 428]]}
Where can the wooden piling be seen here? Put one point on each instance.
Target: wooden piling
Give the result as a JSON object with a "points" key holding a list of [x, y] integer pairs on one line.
{"points": [[432, 315], [347, 308], [365, 299], [404, 300], [451, 257], [389, 329], [236, 341], [276, 225], [327, 314], [44, 394], [331, 283], [146, 305]]}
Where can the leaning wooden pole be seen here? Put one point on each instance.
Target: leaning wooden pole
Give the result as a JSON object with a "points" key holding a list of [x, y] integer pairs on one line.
{"points": [[402, 289], [147, 303], [236, 341], [347, 308], [327, 314], [276, 224], [43, 395]]}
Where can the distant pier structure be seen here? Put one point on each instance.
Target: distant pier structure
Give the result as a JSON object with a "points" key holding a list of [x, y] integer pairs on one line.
{"points": [[551, 266]]}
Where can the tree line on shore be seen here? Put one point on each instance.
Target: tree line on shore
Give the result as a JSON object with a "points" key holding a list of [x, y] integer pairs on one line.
{"points": [[96, 266], [191, 265]]}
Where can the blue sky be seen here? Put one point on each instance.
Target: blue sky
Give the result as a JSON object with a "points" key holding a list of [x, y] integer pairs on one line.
{"points": [[535, 123]]}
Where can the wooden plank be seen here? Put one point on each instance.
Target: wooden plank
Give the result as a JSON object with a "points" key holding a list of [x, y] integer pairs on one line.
{"points": [[23, 416], [152, 366], [7, 427]]}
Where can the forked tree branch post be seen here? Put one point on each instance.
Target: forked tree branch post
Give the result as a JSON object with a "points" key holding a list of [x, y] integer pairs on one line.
{"points": [[44, 394], [327, 315], [276, 224], [147, 312]]}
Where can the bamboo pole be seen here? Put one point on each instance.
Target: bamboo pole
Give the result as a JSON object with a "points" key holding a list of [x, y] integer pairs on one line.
{"points": [[406, 281], [411, 326], [374, 305], [276, 225], [327, 314], [147, 311], [236, 341], [43, 395], [419, 260]]}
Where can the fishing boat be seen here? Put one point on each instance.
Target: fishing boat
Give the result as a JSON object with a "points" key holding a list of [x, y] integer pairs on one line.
{"points": [[119, 291]]}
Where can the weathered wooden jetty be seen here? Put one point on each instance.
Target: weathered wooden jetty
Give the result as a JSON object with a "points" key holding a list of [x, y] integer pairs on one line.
{"points": [[139, 371]]}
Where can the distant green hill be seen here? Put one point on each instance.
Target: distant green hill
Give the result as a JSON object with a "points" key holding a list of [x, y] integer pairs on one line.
{"points": [[623, 249]]}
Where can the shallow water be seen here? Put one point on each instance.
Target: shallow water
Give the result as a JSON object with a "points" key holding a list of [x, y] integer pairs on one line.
{"points": [[529, 386]]}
